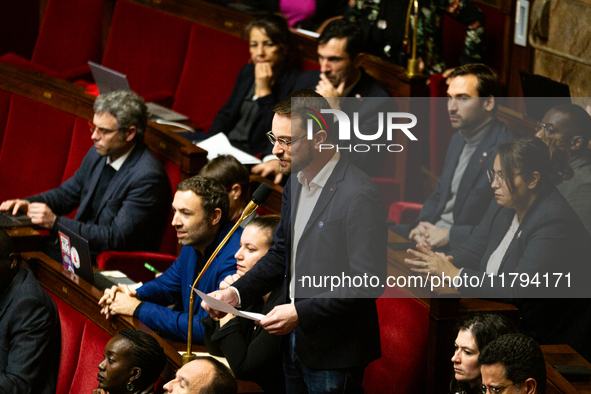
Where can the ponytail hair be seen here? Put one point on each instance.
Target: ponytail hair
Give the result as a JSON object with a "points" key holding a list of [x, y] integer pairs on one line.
{"points": [[524, 156]]}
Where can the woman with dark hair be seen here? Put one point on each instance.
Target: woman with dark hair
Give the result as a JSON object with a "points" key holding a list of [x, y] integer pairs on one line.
{"points": [[529, 244], [253, 353], [132, 363], [247, 115], [473, 335], [235, 178]]}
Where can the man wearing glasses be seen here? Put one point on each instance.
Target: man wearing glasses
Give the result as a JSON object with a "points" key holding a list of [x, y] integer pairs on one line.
{"points": [[512, 364], [332, 223], [569, 126], [463, 192], [121, 191]]}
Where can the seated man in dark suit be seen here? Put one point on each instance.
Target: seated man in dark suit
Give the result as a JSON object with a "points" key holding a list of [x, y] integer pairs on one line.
{"points": [[570, 126], [515, 361], [341, 76], [30, 334], [463, 192], [201, 221], [121, 191]]}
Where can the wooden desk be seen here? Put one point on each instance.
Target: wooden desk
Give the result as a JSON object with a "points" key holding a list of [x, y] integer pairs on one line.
{"points": [[25, 239], [445, 309], [563, 355], [83, 297]]}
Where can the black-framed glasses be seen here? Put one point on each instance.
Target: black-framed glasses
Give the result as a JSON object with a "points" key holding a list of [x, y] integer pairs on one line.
{"points": [[494, 390], [548, 128], [101, 130], [283, 143]]}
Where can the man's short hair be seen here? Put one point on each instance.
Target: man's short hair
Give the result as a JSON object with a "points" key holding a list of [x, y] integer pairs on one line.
{"points": [[307, 101], [229, 171], [127, 108], [342, 28], [578, 121], [488, 80], [222, 381], [521, 357], [213, 194]]}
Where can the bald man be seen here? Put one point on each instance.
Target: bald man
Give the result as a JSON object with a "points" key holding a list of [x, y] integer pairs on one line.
{"points": [[203, 375]]}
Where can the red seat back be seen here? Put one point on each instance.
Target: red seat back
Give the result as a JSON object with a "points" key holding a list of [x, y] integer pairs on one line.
{"points": [[34, 149], [72, 325], [70, 35], [79, 147], [4, 107], [404, 331], [149, 47], [213, 61], [92, 348]]}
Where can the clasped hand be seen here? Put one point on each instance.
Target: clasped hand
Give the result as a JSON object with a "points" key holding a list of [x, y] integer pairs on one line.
{"points": [[119, 300], [428, 262]]}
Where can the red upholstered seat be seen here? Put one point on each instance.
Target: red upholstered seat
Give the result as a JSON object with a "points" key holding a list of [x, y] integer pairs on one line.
{"points": [[4, 107], [403, 212], [72, 325], [70, 36], [92, 348], [149, 47], [213, 61], [404, 332], [34, 149], [132, 263], [307, 65], [79, 147]]}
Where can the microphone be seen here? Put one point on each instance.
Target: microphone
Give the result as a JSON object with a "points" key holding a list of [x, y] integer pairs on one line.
{"points": [[260, 195]]}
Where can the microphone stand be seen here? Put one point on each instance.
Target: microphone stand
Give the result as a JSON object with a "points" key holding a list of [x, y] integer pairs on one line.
{"points": [[249, 210]]}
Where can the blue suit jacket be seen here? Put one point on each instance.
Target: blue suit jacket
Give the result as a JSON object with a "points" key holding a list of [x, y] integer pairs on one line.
{"points": [[371, 163], [174, 285], [474, 193], [229, 114], [134, 208], [346, 234], [30, 337]]}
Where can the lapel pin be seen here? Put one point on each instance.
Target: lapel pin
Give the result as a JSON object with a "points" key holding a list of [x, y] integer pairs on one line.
{"points": [[480, 160], [484, 154], [331, 189], [320, 224]]}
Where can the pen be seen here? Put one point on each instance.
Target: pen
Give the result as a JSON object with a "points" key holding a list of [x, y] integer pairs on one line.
{"points": [[154, 270]]}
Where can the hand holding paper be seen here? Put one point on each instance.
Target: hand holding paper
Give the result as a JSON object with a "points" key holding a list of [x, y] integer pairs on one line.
{"points": [[227, 308]]}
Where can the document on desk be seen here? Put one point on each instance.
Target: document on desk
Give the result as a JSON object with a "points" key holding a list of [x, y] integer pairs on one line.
{"points": [[220, 145], [225, 307]]}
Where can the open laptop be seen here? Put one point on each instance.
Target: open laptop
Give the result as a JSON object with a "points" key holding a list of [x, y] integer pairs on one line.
{"points": [[108, 80], [75, 253], [541, 94], [7, 220]]}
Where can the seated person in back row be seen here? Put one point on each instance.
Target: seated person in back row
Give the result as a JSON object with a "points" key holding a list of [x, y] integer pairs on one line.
{"points": [[463, 192], [29, 329], [236, 179], [201, 220], [570, 126], [345, 84], [120, 189], [247, 115]]}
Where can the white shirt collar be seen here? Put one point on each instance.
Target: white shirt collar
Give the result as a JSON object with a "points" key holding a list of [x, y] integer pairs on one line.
{"points": [[119, 162], [322, 177]]}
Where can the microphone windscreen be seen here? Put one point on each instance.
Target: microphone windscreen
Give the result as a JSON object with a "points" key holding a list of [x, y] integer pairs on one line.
{"points": [[261, 194]]}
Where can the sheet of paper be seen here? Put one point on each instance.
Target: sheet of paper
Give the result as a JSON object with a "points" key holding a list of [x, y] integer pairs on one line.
{"points": [[220, 145], [225, 307]]}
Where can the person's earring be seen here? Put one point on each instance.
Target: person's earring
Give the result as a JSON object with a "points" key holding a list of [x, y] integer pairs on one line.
{"points": [[130, 386]]}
